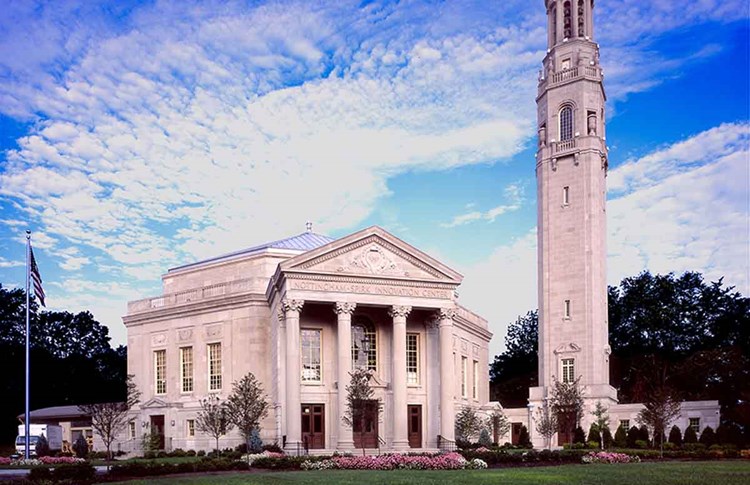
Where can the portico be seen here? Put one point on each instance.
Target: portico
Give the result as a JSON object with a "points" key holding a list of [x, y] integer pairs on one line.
{"points": [[403, 305]]}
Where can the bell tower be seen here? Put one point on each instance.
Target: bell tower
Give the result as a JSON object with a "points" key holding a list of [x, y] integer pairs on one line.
{"points": [[571, 171]]}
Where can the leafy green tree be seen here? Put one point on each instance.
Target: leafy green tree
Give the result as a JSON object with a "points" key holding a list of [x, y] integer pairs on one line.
{"points": [[546, 424], [690, 436], [468, 424], [675, 436], [594, 435], [661, 408], [498, 422], [515, 370], [601, 423], [213, 418], [246, 406]]}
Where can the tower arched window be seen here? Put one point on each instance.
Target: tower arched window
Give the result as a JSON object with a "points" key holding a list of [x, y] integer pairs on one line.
{"points": [[567, 20], [364, 344], [553, 15], [581, 15], [566, 123]]}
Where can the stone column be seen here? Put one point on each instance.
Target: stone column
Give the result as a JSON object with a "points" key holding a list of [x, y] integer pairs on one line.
{"points": [[292, 309], [447, 383], [398, 377], [344, 366]]}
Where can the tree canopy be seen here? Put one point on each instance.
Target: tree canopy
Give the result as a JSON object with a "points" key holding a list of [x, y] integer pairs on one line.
{"points": [[694, 334], [72, 361]]}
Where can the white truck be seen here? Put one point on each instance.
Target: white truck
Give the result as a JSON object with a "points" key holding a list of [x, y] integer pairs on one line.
{"points": [[52, 432]]}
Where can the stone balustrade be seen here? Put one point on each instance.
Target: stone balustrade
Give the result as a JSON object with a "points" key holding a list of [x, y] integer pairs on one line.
{"points": [[196, 294]]}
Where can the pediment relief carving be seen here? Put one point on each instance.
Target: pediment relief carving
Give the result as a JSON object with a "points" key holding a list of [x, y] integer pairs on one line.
{"points": [[154, 403], [567, 348], [373, 257]]}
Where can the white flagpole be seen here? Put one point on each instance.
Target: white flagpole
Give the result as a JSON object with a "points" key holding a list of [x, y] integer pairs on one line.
{"points": [[26, 417]]}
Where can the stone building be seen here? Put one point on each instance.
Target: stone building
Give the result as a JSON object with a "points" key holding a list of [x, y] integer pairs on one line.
{"points": [[300, 314]]}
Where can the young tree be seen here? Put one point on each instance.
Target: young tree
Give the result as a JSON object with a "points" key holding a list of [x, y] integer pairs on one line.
{"points": [[661, 408], [246, 406], [546, 424], [566, 401], [601, 421], [468, 424], [621, 437], [498, 422], [212, 419], [361, 405], [109, 419]]}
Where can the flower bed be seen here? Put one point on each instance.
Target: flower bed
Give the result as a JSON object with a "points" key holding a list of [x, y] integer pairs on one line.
{"points": [[59, 460], [448, 461], [606, 457], [253, 457]]}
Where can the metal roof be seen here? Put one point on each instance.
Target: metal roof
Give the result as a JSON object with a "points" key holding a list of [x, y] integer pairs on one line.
{"points": [[55, 412], [304, 242]]}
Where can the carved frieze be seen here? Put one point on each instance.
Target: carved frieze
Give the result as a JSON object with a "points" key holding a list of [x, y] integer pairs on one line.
{"points": [[185, 334], [158, 339], [213, 330], [367, 288], [567, 348]]}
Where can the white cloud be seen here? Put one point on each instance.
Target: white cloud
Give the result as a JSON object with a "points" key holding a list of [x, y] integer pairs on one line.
{"points": [[514, 197], [4, 263]]}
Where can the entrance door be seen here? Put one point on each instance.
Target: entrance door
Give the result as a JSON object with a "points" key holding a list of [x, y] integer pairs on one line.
{"points": [[157, 428], [365, 430], [415, 426], [515, 433], [313, 426]]}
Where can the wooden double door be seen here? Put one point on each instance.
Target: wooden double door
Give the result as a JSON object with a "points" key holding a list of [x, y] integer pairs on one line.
{"points": [[314, 426]]}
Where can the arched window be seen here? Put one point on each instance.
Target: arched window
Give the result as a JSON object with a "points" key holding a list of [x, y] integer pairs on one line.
{"points": [[553, 14], [566, 123], [364, 344], [581, 14], [567, 21]]}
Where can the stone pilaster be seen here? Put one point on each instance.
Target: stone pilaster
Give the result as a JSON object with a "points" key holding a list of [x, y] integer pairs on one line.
{"points": [[398, 377], [447, 382], [292, 309], [344, 312]]}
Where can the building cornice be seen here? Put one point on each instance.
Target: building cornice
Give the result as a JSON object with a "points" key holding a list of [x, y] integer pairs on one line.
{"points": [[191, 308]]}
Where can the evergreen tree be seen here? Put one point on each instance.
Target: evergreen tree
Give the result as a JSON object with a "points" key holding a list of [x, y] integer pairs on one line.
{"points": [[675, 436], [524, 440], [643, 434], [255, 444], [579, 436], [42, 446], [484, 438], [690, 436], [621, 437], [81, 447], [607, 438], [708, 437], [633, 436]]}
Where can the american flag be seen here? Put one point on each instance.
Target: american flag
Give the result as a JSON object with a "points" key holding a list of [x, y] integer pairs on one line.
{"points": [[36, 279]]}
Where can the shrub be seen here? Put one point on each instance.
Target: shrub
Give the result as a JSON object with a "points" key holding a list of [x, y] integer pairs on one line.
{"points": [[81, 447], [524, 440], [275, 448], [690, 436], [621, 437], [643, 434], [594, 434], [675, 437], [579, 436], [592, 445], [190, 453], [633, 436], [708, 437], [669, 446], [78, 473], [641, 445], [484, 438]]}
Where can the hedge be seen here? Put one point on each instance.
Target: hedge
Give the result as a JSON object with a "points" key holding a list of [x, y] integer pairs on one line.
{"points": [[145, 469]]}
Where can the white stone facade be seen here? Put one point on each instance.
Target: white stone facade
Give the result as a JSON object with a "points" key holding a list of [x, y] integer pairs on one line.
{"points": [[256, 305]]}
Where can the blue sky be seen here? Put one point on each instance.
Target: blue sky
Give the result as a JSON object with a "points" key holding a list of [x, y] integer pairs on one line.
{"points": [[136, 136]]}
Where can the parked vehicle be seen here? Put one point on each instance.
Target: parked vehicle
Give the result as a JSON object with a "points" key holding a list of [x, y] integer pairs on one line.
{"points": [[52, 432]]}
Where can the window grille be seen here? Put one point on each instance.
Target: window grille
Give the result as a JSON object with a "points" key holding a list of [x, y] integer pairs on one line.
{"points": [[160, 371], [214, 367], [186, 368], [311, 358], [568, 370], [364, 345], [412, 358], [566, 123]]}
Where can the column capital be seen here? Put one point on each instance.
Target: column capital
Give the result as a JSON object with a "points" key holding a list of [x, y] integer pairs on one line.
{"points": [[401, 311], [292, 305], [446, 314], [343, 307]]}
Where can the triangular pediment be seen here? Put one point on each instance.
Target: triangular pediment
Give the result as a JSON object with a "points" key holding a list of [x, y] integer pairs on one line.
{"points": [[372, 252], [154, 403], [567, 348]]}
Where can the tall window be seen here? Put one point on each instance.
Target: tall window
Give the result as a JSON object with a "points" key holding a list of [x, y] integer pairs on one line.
{"points": [[475, 385], [553, 14], [190, 428], [568, 370], [464, 376], [566, 123], [364, 344], [412, 358], [214, 367], [131, 430], [581, 30], [567, 20], [186, 368], [625, 423], [160, 371], [566, 309], [695, 423], [311, 368]]}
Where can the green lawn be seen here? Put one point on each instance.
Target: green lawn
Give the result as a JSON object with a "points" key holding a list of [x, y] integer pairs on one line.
{"points": [[670, 473]]}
